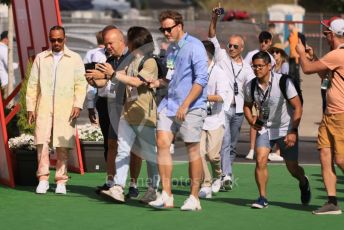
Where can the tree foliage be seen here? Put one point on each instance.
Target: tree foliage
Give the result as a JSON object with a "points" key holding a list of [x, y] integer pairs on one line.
{"points": [[22, 123], [328, 6], [318, 6]]}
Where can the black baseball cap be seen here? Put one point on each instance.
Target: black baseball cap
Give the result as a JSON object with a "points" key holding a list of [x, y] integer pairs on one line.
{"points": [[4, 34]]}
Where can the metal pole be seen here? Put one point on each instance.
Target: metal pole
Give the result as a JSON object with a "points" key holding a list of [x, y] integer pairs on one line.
{"points": [[10, 52], [321, 40]]}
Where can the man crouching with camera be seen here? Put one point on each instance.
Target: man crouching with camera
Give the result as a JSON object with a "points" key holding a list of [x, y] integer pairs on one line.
{"points": [[278, 122]]}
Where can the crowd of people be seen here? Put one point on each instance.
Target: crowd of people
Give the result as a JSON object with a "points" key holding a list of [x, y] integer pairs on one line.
{"points": [[209, 90]]}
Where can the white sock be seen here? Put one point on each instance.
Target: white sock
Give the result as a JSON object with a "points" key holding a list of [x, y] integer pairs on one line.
{"points": [[133, 184]]}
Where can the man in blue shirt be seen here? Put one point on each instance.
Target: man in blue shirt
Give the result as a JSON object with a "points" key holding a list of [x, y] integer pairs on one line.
{"points": [[184, 107]]}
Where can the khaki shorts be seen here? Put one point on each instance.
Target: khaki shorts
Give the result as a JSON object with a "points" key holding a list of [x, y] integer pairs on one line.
{"points": [[331, 133]]}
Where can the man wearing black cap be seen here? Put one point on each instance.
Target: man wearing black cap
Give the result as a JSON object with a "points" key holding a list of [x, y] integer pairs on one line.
{"points": [[331, 132], [4, 59]]}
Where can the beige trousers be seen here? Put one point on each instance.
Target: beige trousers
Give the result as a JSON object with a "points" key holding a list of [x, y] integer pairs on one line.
{"points": [[210, 145], [43, 172]]}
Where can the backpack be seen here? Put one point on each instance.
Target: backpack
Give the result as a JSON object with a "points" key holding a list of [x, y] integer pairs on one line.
{"points": [[283, 87], [162, 69]]}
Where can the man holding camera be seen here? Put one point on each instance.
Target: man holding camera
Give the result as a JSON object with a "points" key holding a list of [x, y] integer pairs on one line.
{"points": [[238, 73], [278, 122]]}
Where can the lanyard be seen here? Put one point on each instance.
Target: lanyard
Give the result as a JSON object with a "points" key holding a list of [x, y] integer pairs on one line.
{"points": [[211, 70], [266, 96], [171, 61], [236, 75]]}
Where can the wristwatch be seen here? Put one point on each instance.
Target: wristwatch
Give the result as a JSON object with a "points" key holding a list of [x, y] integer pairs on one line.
{"points": [[294, 130]]}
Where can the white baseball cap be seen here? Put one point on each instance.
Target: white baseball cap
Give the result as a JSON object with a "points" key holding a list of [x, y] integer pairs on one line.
{"points": [[335, 24]]}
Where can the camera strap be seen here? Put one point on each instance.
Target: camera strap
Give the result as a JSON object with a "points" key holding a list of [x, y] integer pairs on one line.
{"points": [[266, 95], [211, 69]]}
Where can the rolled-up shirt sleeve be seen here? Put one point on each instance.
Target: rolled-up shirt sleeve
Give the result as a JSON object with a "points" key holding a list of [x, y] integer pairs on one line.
{"points": [[200, 65], [220, 53]]}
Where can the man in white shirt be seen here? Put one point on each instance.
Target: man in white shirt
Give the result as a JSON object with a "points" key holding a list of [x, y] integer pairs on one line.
{"points": [[219, 93], [238, 73], [265, 42], [278, 122], [95, 55], [3, 59]]}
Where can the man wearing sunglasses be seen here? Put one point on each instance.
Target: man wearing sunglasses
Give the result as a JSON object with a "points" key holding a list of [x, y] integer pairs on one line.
{"points": [[265, 42], [55, 96], [331, 134], [184, 107], [238, 73], [277, 123]]}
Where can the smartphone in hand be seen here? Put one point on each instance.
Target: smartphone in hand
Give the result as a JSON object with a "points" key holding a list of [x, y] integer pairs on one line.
{"points": [[302, 37], [91, 65], [259, 123]]}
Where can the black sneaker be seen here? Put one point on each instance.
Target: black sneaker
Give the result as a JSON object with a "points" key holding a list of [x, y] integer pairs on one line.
{"points": [[328, 209], [132, 193], [150, 195], [103, 187], [261, 202], [305, 192]]}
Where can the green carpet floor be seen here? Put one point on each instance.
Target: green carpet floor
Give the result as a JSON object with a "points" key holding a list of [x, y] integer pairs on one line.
{"points": [[81, 208]]}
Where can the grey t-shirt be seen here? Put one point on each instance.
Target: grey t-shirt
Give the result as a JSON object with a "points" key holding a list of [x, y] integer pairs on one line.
{"points": [[281, 111]]}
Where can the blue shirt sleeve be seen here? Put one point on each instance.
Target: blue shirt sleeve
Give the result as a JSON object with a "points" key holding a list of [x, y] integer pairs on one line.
{"points": [[200, 65]]}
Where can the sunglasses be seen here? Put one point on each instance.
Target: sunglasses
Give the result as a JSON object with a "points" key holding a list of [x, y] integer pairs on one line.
{"points": [[59, 40], [232, 45], [276, 52], [327, 32], [264, 41], [168, 29], [259, 67]]}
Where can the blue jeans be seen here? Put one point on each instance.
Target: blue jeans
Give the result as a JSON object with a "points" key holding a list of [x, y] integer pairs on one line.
{"points": [[230, 139]]}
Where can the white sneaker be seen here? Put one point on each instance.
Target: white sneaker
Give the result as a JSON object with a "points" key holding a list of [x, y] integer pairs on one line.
{"points": [[226, 182], [205, 192], [60, 189], [42, 187], [275, 157], [216, 185], [115, 192], [162, 201], [191, 204], [172, 148], [250, 155]]}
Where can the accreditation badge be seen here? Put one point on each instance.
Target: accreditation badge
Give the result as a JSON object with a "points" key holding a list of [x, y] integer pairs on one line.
{"points": [[169, 74], [170, 63]]}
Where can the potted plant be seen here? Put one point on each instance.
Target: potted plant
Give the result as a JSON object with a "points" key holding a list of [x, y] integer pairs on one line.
{"points": [[24, 159], [92, 149]]}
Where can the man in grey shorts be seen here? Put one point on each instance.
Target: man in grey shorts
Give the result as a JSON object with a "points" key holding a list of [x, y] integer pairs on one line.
{"points": [[183, 109], [278, 122]]}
